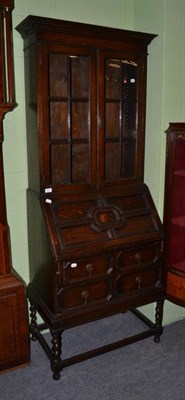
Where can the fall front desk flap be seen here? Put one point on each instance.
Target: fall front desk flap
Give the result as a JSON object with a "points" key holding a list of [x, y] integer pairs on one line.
{"points": [[98, 220]]}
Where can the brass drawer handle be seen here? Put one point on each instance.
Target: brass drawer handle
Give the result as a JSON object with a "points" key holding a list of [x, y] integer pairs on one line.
{"points": [[89, 269], [138, 281], [85, 296], [138, 259]]}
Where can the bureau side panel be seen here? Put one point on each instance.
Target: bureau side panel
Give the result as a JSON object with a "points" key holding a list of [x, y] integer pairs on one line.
{"points": [[40, 255], [14, 336], [31, 118]]}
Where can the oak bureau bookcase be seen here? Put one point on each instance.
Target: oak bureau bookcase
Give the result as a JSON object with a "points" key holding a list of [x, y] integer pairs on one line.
{"points": [[95, 238]]}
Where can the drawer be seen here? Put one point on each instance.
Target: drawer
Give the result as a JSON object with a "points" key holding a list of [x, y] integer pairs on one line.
{"points": [[138, 281], [176, 286], [84, 269], [139, 256], [82, 295]]}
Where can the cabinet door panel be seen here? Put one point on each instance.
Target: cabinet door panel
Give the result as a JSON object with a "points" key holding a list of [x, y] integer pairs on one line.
{"points": [[69, 156], [80, 163], [121, 127], [58, 75], [129, 80], [128, 164], [129, 119], [58, 119], [112, 116], [113, 85], [60, 155], [80, 76], [112, 153], [80, 120]]}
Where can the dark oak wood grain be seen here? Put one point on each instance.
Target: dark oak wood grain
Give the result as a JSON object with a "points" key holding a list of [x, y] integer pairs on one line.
{"points": [[96, 240]]}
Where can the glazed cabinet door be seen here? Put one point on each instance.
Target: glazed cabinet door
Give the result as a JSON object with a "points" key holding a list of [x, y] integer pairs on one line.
{"points": [[71, 118], [67, 117], [121, 117], [174, 213]]}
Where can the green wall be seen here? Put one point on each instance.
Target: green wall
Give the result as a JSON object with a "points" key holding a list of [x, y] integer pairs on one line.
{"points": [[165, 95], [165, 101]]}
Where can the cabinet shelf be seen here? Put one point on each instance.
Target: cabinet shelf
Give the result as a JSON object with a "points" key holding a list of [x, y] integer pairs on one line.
{"points": [[179, 221], [180, 266], [180, 172]]}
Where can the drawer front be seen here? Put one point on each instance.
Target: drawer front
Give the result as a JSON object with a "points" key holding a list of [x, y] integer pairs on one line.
{"points": [[137, 281], [176, 286], [84, 269], [82, 295], [140, 257]]}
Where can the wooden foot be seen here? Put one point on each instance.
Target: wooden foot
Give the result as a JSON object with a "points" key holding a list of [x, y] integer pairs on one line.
{"points": [[14, 332], [56, 351], [158, 321]]}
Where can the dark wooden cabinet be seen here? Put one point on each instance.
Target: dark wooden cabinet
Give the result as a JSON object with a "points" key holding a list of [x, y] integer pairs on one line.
{"points": [[174, 213], [14, 330], [95, 238]]}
